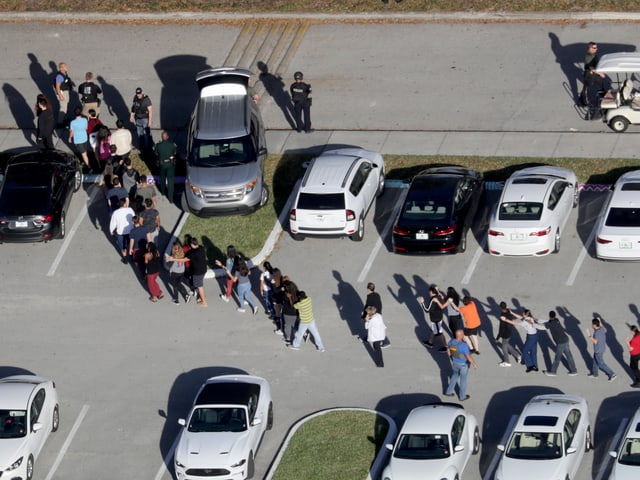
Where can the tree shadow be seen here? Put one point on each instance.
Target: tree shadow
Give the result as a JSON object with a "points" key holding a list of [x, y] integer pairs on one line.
{"points": [[22, 113], [275, 87]]}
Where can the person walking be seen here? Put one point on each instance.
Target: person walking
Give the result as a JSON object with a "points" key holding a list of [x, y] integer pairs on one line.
{"points": [[373, 300], [166, 151], [633, 343], [289, 312], [460, 356], [561, 340], [599, 340], [505, 331], [301, 97], [530, 347], [63, 85], [153, 263], [452, 304], [138, 243], [376, 333], [471, 320], [89, 92], [120, 225], [231, 264], [142, 118], [79, 136], [266, 277], [277, 292], [45, 123], [122, 139], [307, 323], [434, 309], [151, 219], [242, 277], [177, 280], [197, 257]]}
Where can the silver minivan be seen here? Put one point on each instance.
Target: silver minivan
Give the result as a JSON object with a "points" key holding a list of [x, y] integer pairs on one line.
{"points": [[226, 147]]}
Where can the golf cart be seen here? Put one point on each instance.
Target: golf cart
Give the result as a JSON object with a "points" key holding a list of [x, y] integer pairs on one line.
{"points": [[621, 105]]}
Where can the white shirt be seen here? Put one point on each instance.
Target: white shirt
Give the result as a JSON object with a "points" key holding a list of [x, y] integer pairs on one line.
{"points": [[376, 329], [122, 220], [121, 138]]}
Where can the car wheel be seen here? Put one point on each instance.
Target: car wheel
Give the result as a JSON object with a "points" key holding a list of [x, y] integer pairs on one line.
{"points": [[618, 124], [55, 420], [576, 196], [63, 225], [556, 242], [462, 246], [359, 233], [30, 467], [297, 237], [476, 441], [380, 185], [270, 416], [264, 196], [587, 440], [77, 181], [251, 468]]}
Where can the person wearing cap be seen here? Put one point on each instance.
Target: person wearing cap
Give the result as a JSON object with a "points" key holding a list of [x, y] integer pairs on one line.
{"points": [[166, 151], [142, 117], [301, 97]]}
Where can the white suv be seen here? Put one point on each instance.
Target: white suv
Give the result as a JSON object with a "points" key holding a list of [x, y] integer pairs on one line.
{"points": [[336, 193]]}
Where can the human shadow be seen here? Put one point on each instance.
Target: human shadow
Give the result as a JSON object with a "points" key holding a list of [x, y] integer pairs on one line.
{"points": [[275, 87], [22, 113], [633, 308], [44, 80], [349, 305], [615, 347], [575, 330], [113, 100]]}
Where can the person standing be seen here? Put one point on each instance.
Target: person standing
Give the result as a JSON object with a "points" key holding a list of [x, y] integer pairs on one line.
{"points": [[301, 97], [591, 76], [530, 347], [151, 218], [452, 303], [599, 340], [197, 256], [460, 356], [376, 333], [289, 313], [120, 225], [505, 331], [307, 323], [373, 300], [45, 123], [243, 278], [142, 118], [176, 275], [121, 138], [89, 92], [634, 351], [561, 340], [266, 278], [434, 309], [469, 312], [138, 243], [230, 266], [145, 190], [63, 85], [153, 263], [78, 135], [166, 152]]}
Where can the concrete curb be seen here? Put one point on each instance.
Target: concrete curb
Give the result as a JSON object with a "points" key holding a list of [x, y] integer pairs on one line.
{"points": [[379, 462]]}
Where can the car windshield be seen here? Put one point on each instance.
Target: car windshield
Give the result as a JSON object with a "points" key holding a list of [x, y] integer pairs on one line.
{"points": [[520, 211], [222, 153], [13, 423], [534, 446], [321, 201], [630, 452], [218, 419], [429, 446], [623, 217]]}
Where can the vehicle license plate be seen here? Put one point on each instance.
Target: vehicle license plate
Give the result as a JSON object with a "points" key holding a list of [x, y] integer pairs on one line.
{"points": [[422, 236], [22, 224], [624, 245], [518, 237]]}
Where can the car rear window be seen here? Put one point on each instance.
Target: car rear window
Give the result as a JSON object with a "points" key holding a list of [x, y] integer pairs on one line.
{"points": [[540, 420], [520, 211], [529, 181], [20, 200], [630, 187], [321, 201], [623, 217]]}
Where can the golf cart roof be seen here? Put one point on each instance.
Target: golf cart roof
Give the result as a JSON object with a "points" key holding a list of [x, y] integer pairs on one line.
{"points": [[623, 62]]}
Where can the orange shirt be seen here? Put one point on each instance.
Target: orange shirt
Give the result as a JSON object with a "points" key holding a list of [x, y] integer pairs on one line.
{"points": [[470, 313]]}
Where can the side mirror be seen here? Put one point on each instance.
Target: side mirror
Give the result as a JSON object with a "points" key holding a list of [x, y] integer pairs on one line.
{"points": [[500, 447], [262, 151], [613, 454], [256, 421], [458, 448], [571, 450], [389, 446], [36, 426], [182, 422]]}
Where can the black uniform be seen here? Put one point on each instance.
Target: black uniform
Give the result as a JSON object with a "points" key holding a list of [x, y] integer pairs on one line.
{"points": [[44, 134], [89, 92], [300, 95]]}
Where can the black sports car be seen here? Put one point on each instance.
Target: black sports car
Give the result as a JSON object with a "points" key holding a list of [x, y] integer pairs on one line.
{"points": [[438, 211], [35, 191]]}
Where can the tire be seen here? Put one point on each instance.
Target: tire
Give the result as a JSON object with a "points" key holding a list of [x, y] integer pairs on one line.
{"points": [[556, 242], [380, 191], [588, 445], [77, 181], [183, 203], [251, 467], [270, 416], [55, 420], [29, 469], [462, 246], [618, 124], [297, 237], [476, 441], [264, 195], [359, 233], [62, 231], [576, 196]]}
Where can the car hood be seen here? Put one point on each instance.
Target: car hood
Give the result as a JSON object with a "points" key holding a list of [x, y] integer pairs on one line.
{"points": [[223, 177], [425, 469], [530, 469], [624, 472], [211, 449], [10, 450]]}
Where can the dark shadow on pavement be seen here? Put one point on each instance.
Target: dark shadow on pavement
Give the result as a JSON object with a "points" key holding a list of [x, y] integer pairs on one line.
{"points": [[575, 331], [22, 112], [114, 102], [275, 87]]}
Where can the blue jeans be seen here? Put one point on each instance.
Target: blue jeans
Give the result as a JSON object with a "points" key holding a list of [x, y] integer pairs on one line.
{"points": [[144, 133], [268, 303], [244, 293], [460, 370], [313, 330], [598, 363], [562, 349], [530, 351]]}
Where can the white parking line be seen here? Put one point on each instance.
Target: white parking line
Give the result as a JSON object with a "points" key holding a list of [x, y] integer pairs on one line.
{"points": [[71, 233], [496, 456], [383, 235], [612, 445], [474, 262], [67, 442], [163, 468], [585, 249]]}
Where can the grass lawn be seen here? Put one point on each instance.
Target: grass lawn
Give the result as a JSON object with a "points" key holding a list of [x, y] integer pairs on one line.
{"points": [[248, 233], [316, 452]]}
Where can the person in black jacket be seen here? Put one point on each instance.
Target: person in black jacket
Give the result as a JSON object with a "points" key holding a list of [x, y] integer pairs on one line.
{"points": [[562, 346], [301, 97], [45, 123]]}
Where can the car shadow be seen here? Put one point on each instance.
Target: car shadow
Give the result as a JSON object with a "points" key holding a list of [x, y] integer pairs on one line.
{"points": [[9, 371]]}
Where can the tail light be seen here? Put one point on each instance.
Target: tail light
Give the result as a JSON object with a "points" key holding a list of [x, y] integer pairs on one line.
{"points": [[4, 221], [40, 221], [496, 233], [603, 241], [446, 231], [351, 215], [540, 233], [399, 231], [292, 214]]}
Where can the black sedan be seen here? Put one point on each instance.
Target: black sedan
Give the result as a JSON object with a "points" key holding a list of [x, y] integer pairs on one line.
{"points": [[438, 211], [36, 190]]}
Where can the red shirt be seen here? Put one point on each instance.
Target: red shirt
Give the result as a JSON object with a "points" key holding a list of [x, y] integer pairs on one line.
{"points": [[634, 345]]}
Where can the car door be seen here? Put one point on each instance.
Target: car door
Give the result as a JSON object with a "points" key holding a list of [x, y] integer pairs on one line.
{"points": [[573, 437], [36, 415], [458, 438], [559, 203], [362, 187]]}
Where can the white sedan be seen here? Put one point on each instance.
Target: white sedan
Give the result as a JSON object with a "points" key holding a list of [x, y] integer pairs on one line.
{"points": [[435, 442], [533, 210], [618, 229], [627, 465], [28, 413], [548, 440], [222, 433]]}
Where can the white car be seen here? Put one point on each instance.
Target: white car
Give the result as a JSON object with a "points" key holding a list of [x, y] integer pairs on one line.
{"points": [[435, 442], [627, 464], [618, 229], [533, 210], [336, 193], [548, 440], [29, 412], [222, 433]]}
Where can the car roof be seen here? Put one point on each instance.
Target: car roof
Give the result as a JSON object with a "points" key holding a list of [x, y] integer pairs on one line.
{"points": [[329, 172], [530, 188], [229, 390], [432, 418], [626, 193], [621, 62], [19, 156], [535, 415], [16, 390]]}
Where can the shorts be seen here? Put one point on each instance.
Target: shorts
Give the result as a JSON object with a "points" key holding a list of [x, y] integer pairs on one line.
{"points": [[471, 331], [81, 147], [436, 328], [198, 281]]}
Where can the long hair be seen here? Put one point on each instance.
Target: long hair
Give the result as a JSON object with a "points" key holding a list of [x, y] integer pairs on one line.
{"points": [[453, 295]]}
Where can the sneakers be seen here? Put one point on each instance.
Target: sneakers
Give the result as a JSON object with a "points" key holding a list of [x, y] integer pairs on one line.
{"points": [[518, 359], [175, 301], [385, 345], [278, 332], [427, 344], [591, 375], [448, 394], [187, 299], [465, 398], [305, 337], [635, 385], [321, 350], [504, 364], [241, 310], [549, 374], [573, 374], [255, 310], [291, 347], [224, 298], [613, 377], [443, 349], [475, 352], [534, 368]]}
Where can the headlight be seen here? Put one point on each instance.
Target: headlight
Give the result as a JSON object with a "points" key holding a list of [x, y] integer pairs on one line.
{"points": [[178, 463], [15, 464], [240, 463], [251, 185], [196, 190]]}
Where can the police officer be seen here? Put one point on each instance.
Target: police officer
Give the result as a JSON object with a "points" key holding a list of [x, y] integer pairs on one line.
{"points": [[166, 151], [141, 116], [89, 92], [301, 97], [63, 86]]}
